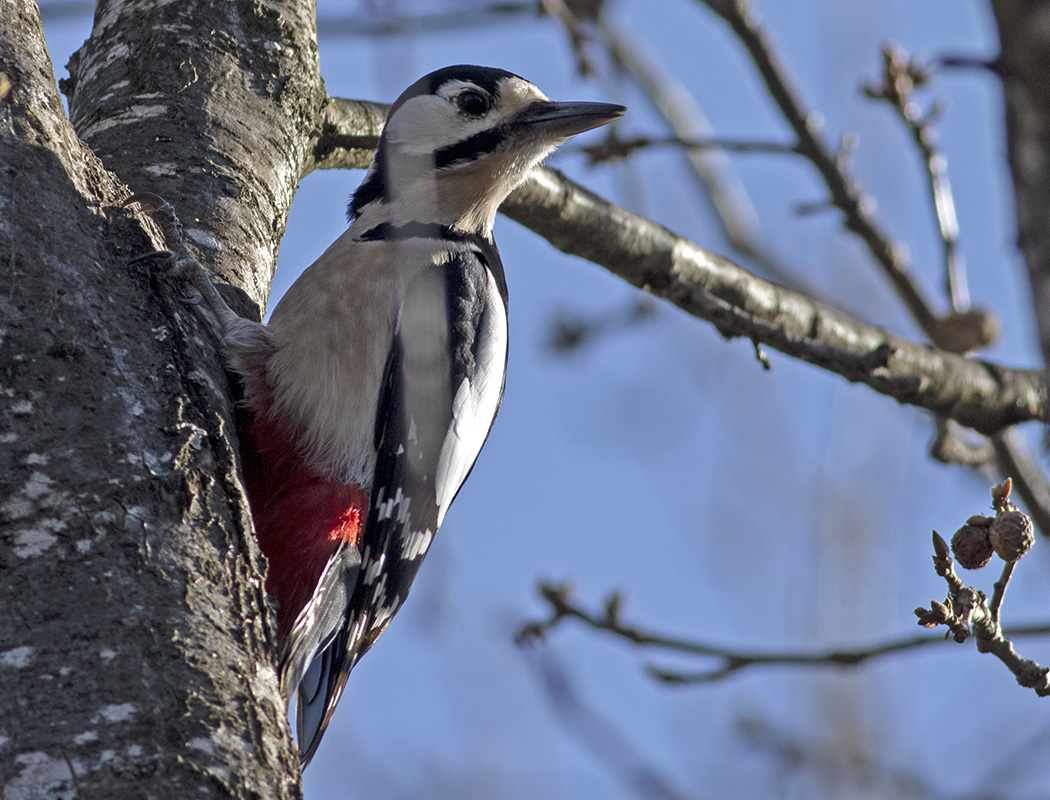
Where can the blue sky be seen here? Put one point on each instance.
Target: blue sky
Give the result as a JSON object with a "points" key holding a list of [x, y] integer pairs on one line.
{"points": [[780, 509]]}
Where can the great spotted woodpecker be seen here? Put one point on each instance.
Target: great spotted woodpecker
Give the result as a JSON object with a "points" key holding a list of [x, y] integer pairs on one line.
{"points": [[371, 391]]}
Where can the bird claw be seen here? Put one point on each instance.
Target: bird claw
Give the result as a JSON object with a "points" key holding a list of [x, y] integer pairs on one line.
{"points": [[164, 214], [179, 263], [149, 202], [157, 255]]}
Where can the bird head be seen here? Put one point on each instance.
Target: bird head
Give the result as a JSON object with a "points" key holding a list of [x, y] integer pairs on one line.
{"points": [[458, 141]]}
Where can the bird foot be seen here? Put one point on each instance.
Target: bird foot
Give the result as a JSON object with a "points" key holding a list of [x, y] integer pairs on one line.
{"points": [[177, 261]]}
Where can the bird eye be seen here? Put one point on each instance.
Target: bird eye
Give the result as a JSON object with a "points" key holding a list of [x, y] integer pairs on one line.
{"points": [[472, 103]]}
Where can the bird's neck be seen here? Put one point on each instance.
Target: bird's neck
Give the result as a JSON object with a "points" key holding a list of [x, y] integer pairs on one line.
{"points": [[464, 198]]}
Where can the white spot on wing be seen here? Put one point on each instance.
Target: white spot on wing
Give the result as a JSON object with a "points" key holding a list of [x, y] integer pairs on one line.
{"points": [[416, 544], [380, 590], [373, 569]]}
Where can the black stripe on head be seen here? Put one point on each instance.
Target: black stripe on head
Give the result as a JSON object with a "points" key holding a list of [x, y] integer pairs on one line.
{"points": [[373, 187], [470, 149], [487, 78]]}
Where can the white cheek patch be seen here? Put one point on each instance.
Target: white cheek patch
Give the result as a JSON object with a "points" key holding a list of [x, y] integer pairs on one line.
{"points": [[417, 123], [427, 123]]}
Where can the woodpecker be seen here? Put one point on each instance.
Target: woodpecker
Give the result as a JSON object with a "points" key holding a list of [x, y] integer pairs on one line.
{"points": [[370, 392]]}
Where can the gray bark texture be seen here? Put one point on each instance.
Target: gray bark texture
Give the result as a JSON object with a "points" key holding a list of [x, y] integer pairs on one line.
{"points": [[136, 650], [1024, 37]]}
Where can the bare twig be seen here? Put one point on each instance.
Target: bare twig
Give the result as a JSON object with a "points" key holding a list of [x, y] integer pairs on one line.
{"points": [[730, 661], [729, 199], [999, 592], [847, 193], [739, 304], [966, 611], [824, 756], [570, 332], [373, 25], [990, 638], [614, 148], [900, 76], [580, 38], [1023, 41], [1015, 460], [599, 736], [951, 445], [959, 332]]}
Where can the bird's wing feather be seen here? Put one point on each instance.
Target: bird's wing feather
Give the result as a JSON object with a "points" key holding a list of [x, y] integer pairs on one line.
{"points": [[441, 390]]}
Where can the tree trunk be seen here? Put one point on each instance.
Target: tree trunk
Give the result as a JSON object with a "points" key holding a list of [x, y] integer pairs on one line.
{"points": [[135, 645]]}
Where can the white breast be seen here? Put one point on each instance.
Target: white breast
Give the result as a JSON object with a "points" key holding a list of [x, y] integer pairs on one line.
{"points": [[332, 332]]}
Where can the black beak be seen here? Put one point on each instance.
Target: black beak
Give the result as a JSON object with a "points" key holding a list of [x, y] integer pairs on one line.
{"points": [[568, 119]]}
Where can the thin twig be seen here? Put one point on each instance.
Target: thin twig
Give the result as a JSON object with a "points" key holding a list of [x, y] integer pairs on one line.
{"points": [[999, 591], [580, 36], [729, 199], [1015, 459], [955, 445], [375, 25], [959, 332], [967, 612], [847, 193], [571, 332], [563, 607], [900, 77], [854, 772], [613, 148], [597, 734]]}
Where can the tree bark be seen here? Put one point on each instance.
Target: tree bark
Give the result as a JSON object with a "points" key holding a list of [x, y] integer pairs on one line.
{"points": [[1024, 37], [135, 645]]}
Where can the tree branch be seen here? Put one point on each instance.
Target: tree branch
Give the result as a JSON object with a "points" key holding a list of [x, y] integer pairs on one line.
{"points": [[958, 332], [729, 660], [1025, 49], [847, 193], [900, 77], [613, 148], [978, 394], [966, 612], [1015, 459], [729, 200]]}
